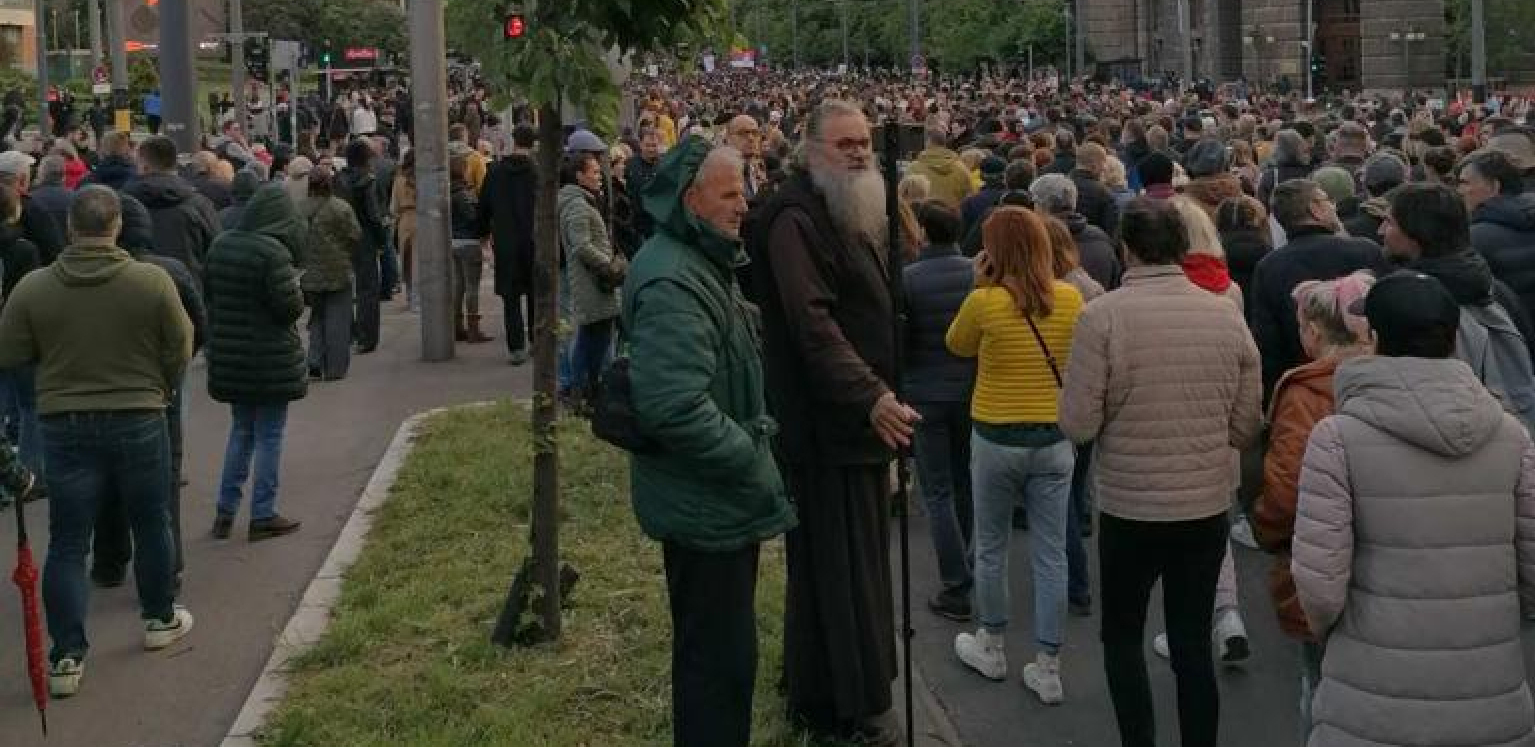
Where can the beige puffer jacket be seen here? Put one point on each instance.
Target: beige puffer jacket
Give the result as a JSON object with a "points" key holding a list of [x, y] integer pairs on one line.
{"points": [[1165, 376], [1414, 548]]}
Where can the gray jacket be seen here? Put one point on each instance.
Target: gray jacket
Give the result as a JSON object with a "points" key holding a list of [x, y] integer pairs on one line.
{"points": [[584, 238], [1414, 551]]}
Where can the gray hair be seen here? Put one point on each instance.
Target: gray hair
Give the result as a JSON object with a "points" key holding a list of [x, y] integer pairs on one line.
{"points": [[723, 155], [50, 170], [1290, 148], [95, 212], [828, 110], [1054, 194]]}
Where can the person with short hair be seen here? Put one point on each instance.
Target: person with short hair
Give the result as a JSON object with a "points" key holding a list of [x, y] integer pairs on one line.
{"points": [[1056, 195], [1414, 546], [184, 222], [1162, 518], [1502, 219], [596, 270], [1094, 201], [507, 221], [1380, 174], [357, 186], [111, 341]]}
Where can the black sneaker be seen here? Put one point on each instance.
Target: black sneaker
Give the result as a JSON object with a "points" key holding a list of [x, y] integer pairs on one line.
{"points": [[277, 526], [1080, 607], [951, 604], [108, 577], [223, 524], [1020, 518]]}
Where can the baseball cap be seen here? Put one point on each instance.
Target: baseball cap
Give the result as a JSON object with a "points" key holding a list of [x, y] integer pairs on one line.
{"points": [[1406, 304], [15, 162]]}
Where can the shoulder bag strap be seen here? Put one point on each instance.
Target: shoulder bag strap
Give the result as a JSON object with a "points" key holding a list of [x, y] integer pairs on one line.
{"points": [[1049, 358]]}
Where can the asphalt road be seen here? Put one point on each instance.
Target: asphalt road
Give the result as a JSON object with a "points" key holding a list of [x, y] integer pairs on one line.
{"points": [[240, 593]]}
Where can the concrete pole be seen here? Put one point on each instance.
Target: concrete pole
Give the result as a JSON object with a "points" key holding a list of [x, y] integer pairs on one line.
{"points": [[93, 18], [794, 30], [117, 41], [914, 22], [237, 63], [429, 75], [42, 68], [1079, 37], [1310, 40], [1479, 51], [846, 62], [178, 81], [1186, 55]]}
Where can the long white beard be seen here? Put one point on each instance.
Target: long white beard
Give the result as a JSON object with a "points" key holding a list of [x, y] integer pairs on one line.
{"points": [[856, 200]]}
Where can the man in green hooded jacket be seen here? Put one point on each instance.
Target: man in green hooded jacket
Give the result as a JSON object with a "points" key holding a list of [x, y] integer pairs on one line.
{"points": [[710, 490]]}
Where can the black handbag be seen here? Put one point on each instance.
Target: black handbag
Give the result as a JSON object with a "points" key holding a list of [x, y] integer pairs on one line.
{"points": [[613, 417]]}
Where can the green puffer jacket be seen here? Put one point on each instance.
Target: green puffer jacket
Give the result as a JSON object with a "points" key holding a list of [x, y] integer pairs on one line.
{"points": [[253, 299], [331, 236], [697, 377]]}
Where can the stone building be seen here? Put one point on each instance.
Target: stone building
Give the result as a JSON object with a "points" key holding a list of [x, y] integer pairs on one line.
{"points": [[1380, 45]]}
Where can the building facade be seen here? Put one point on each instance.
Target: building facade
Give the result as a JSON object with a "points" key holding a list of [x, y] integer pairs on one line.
{"points": [[1380, 45]]}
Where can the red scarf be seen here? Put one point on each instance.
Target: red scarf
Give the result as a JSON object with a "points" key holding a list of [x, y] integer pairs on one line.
{"points": [[1207, 272]]}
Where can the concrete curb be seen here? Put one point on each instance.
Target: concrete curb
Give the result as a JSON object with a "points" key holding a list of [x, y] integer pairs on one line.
{"points": [[313, 614]]}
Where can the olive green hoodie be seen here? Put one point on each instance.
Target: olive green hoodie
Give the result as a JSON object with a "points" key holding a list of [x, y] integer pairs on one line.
{"points": [[105, 331]]}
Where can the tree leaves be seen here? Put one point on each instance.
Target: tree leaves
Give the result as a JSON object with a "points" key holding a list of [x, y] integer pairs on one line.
{"points": [[346, 23]]}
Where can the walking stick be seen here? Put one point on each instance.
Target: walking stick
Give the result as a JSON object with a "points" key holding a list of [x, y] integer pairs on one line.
{"points": [[890, 136]]}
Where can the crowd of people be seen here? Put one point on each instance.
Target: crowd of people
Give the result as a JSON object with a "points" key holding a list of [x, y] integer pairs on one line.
{"points": [[1168, 322]]}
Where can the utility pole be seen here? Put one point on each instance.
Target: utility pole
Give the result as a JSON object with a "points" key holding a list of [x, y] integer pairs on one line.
{"points": [[42, 69], [429, 78], [178, 82], [117, 39], [914, 14], [93, 17], [846, 63], [1310, 39], [1079, 37], [1479, 51], [794, 29], [1186, 54], [237, 62]]}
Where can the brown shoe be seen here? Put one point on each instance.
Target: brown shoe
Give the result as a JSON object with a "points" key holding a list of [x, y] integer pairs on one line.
{"points": [[277, 526], [475, 334]]}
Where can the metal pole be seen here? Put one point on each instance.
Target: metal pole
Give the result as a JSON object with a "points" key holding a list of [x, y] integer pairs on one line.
{"points": [[1031, 64], [1079, 37], [117, 39], [237, 63], [794, 29], [1406, 64], [1478, 51], [42, 70], [1186, 55], [1310, 38], [847, 64], [429, 77], [93, 17], [914, 12], [178, 83]]}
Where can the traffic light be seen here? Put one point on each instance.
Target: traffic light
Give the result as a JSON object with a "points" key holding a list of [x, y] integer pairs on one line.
{"points": [[325, 55], [515, 26]]}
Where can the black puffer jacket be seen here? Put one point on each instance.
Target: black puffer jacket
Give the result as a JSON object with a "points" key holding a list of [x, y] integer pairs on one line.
{"points": [[1245, 248], [1503, 232], [936, 286], [254, 301], [185, 223]]}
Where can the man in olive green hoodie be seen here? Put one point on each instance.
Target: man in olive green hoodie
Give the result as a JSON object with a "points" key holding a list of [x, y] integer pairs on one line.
{"points": [[110, 341], [709, 490]]}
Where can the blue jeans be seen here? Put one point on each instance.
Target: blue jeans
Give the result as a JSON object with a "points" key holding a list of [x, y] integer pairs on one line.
{"points": [[19, 409], [942, 451], [256, 430], [89, 454], [594, 343], [1042, 476]]}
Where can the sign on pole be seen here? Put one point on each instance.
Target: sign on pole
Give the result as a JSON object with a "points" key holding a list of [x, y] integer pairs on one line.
{"points": [[99, 82]]}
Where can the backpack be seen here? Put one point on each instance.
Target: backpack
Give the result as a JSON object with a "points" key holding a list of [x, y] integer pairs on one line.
{"points": [[1489, 342]]}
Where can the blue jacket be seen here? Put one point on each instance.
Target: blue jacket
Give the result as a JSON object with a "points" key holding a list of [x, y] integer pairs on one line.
{"points": [[936, 285]]}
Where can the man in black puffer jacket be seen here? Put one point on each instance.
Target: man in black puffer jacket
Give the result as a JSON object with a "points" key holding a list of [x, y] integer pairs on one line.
{"points": [[185, 222], [255, 359], [1502, 220]]}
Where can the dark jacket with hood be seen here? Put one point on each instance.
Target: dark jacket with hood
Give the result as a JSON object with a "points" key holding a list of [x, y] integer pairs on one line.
{"points": [[637, 176], [1245, 248], [137, 237], [507, 201], [185, 223], [18, 256], [217, 192], [113, 171], [1503, 232], [936, 285], [357, 187], [54, 200], [1095, 202], [711, 483], [245, 185], [1098, 250], [254, 301], [1470, 280]]}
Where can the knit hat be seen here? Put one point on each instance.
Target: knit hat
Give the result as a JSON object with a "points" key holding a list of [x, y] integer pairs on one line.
{"points": [[1383, 172], [1336, 182], [1405, 305]]}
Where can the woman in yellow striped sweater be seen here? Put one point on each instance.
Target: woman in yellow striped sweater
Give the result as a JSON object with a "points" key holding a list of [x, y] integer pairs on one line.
{"points": [[1019, 322]]}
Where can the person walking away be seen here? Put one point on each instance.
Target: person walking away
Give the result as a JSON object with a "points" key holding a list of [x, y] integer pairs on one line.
{"points": [[36, 224], [1161, 518], [820, 249], [710, 492], [255, 359], [596, 271], [152, 111], [1094, 200], [468, 254], [1291, 159], [332, 233], [1331, 333], [1414, 548], [185, 222], [110, 341], [50, 194], [355, 185], [938, 384], [18, 256], [240, 192], [1243, 225], [1502, 220], [1056, 195], [949, 178], [1018, 321], [506, 220], [402, 209]]}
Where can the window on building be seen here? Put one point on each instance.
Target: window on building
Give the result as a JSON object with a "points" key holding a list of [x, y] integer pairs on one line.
{"points": [[10, 45]]}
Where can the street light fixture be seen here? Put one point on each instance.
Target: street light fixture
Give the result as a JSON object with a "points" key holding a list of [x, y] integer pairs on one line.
{"points": [[1407, 36]]}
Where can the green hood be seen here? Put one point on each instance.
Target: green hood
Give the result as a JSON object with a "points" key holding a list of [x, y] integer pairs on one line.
{"points": [[270, 212], [79, 266], [662, 199]]}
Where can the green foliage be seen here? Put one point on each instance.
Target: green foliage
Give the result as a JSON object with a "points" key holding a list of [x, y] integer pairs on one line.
{"points": [[346, 23], [1510, 36], [143, 75]]}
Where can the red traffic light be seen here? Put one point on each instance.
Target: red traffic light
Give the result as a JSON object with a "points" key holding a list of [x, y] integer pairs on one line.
{"points": [[515, 26]]}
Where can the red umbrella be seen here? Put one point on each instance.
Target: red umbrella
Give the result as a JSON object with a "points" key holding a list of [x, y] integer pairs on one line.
{"points": [[25, 578]]}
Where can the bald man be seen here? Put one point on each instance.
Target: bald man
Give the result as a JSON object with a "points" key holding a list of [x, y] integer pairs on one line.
{"points": [[745, 135]]}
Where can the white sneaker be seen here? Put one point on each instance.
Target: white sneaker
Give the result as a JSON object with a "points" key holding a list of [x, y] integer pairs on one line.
{"points": [[1242, 534], [982, 651], [1159, 645], [1231, 638], [1043, 676], [159, 634], [64, 677]]}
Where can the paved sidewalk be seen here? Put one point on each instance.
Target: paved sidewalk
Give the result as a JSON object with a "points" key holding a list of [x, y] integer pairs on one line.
{"points": [[241, 594], [1258, 702]]}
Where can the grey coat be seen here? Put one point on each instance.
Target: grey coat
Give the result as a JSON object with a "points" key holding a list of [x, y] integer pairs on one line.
{"points": [[586, 244], [1414, 551]]}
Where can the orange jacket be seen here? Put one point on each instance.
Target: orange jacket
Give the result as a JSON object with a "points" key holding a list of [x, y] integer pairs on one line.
{"points": [[1301, 399]]}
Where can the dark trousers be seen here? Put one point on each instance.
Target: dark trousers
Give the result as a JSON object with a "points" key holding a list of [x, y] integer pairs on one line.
{"points": [[365, 268], [112, 545], [942, 451], [519, 326], [714, 644], [1079, 580], [1186, 556], [594, 344]]}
